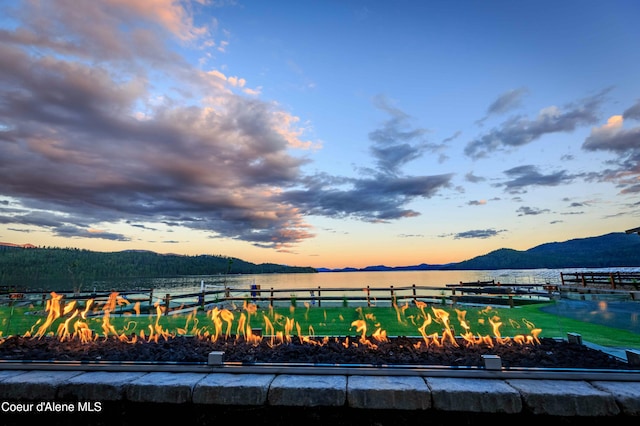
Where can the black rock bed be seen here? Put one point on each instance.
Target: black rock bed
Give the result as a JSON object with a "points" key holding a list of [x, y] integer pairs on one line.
{"points": [[549, 353]]}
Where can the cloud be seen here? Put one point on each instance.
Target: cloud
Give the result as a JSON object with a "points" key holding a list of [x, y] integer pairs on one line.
{"points": [[396, 143], [518, 131], [452, 137], [141, 226], [74, 232], [64, 225], [478, 233], [380, 194], [101, 32], [103, 145], [470, 177], [567, 157], [507, 101], [625, 143], [530, 211], [477, 203], [612, 137], [35, 218], [377, 198], [633, 112], [631, 189], [168, 14], [75, 128], [521, 177], [90, 136]]}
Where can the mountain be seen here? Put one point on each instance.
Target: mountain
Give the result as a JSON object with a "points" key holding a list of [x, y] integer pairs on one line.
{"points": [[616, 249], [606, 251]]}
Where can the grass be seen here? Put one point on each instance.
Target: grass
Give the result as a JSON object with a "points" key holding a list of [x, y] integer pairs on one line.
{"points": [[336, 321]]}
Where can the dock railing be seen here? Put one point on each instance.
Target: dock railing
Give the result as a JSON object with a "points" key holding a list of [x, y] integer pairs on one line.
{"points": [[150, 300], [585, 284], [612, 280]]}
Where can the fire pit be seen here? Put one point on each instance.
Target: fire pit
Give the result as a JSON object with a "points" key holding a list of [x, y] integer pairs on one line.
{"points": [[193, 375], [75, 341], [548, 353]]}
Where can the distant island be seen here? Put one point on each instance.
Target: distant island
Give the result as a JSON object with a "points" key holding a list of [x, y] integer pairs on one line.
{"points": [[617, 249]]}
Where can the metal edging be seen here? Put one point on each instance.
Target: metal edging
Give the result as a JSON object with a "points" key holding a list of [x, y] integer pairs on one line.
{"points": [[328, 369]]}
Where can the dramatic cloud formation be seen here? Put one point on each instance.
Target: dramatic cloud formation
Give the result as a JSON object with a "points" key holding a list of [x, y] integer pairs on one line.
{"points": [[211, 169], [249, 129], [102, 145]]}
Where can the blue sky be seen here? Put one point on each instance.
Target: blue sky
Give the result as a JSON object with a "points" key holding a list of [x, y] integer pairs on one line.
{"points": [[318, 133]]}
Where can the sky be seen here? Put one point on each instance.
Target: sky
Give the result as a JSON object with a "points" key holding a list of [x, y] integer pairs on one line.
{"points": [[318, 133]]}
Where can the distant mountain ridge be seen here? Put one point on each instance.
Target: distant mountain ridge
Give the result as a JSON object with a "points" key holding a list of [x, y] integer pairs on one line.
{"points": [[616, 249]]}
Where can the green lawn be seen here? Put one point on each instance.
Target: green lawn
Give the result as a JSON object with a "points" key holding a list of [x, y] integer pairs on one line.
{"points": [[338, 321]]}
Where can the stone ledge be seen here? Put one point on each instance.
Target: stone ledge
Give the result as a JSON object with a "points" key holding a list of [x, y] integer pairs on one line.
{"points": [[474, 395], [308, 391], [543, 397], [233, 389], [565, 398], [388, 392], [627, 395]]}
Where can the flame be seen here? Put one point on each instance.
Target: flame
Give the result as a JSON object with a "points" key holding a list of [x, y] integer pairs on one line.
{"points": [[423, 328], [52, 307], [380, 335], [400, 312], [71, 321], [442, 317]]}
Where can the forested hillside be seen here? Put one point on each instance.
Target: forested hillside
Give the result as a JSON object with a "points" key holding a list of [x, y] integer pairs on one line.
{"points": [[28, 268], [605, 251]]}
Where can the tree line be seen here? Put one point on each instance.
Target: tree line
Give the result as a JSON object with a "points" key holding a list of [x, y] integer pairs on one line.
{"points": [[36, 268]]}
